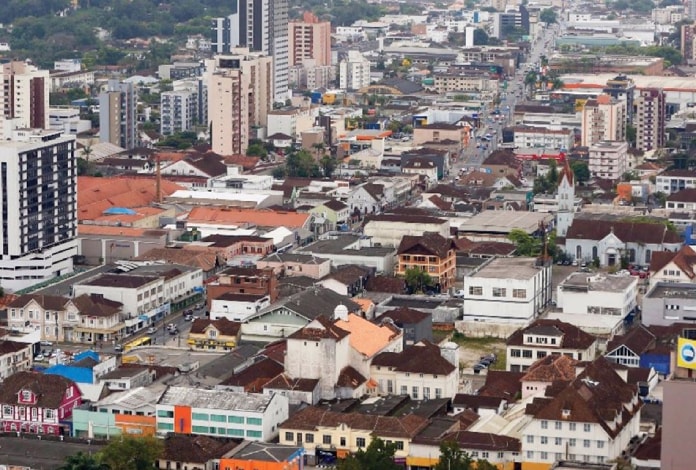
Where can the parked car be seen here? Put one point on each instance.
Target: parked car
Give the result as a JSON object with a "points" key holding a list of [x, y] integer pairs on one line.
{"points": [[173, 331], [46, 343], [151, 330], [171, 326], [188, 317], [39, 357], [458, 294], [478, 368], [118, 348]]}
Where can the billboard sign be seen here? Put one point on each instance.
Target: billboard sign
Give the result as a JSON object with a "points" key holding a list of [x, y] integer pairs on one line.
{"points": [[686, 353]]}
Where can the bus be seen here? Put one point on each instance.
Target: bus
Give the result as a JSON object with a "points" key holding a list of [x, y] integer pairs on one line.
{"points": [[143, 341]]}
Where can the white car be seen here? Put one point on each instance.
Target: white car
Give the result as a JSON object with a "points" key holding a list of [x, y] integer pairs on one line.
{"points": [[151, 330], [459, 294], [39, 357]]}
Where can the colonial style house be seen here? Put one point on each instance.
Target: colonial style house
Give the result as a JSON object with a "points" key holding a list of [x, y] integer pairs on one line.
{"points": [[671, 267], [431, 253], [214, 335], [100, 319], [54, 316], [14, 357], [38, 403], [608, 241]]}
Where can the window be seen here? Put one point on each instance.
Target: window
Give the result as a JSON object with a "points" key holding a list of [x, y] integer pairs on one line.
{"points": [[199, 416], [414, 393], [360, 442], [499, 292], [530, 439], [235, 432], [572, 426], [438, 393], [600, 444], [544, 424], [289, 436], [235, 419], [165, 426], [254, 421], [586, 443], [515, 353], [558, 456], [558, 425], [7, 411], [342, 441], [165, 414], [519, 293], [49, 413], [544, 455], [200, 429], [587, 427], [404, 390], [530, 454], [218, 418], [527, 353], [426, 393], [571, 442], [326, 439], [475, 290], [309, 437], [558, 441], [544, 440], [399, 445], [254, 434]]}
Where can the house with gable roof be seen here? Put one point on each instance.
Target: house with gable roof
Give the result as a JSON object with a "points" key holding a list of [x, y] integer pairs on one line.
{"points": [[334, 211], [628, 348], [431, 253], [369, 198], [610, 240], [671, 267], [545, 372], [214, 335], [590, 419]]}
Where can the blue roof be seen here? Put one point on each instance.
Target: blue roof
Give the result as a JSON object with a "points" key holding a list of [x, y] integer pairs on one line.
{"points": [[89, 353], [76, 374], [119, 211]]}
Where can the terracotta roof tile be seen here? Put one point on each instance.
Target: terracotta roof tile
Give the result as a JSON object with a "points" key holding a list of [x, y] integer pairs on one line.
{"points": [[261, 217], [223, 326], [651, 448], [49, 389], [96, 305], [500, 383], [426, 244], [83, 229], [554, 367], [47, 302], [685, 259], [350, 378], [284, 382], [639, 340], [393, 285], [195, 449], [404, 315], [481, 441], [593, 229], [320, 328], [205, 260], [256, 376], [572, 336], [366, 337], [423, 357]]}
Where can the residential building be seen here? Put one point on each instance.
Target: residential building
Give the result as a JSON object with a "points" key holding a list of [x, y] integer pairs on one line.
{"points": [[309, 39], [189, 452], [348, 280], [431, 253], [336, 212], [340, 434], [237, 307], [603, 118], [354, 71], [416, 325], [178, 111], [260, 26], [244, 280], [546, 337], [242, 73], [545, 372], [667, 267], [53, 316], [100, 319], [189, 410], [672, 181], [591, 419], [543, 138], [127, 378], [684, 200], [369, 198], [38, 403], [117, 110], [353, 250], [425, 168], [608, 159], [456, 81], [623, 89], [214, 335], [610, 240], [389, 229], [421, 371], [630, 349], [649, 119], [15, 357], [296, 264], [503, 162], [39, 215], [507, 290], [25, 100], [439, 132]]}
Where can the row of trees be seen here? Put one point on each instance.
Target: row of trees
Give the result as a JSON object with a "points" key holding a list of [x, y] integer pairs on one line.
{"points": [[547, 183]]}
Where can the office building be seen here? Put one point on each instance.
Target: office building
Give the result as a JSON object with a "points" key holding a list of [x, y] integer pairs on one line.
{"points": [[603, 118], [310, 39], [242, 74], [649, 119], [38, 180], [260, 26], [24, 96], [117, 107], [505, 23], [354, 72]]}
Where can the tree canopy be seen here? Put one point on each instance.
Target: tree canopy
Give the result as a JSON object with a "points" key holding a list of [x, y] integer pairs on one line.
{"points": [[452, 457], [548, 16], [131, 453], [379, 455], [417, 279]]}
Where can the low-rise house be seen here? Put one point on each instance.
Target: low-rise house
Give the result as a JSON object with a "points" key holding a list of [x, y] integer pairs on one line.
{"points": [[243, 280], [423, 167], [352, 249], [193, 452], [416, 325], [422, 371], [38, 403], [296, 264], [84, 368], [127, 378], [669, 267], [337, 435], [672, 181], [214, 334], [609, 241], [628, 349], [684, 200], [545, 372], [503, 162], [15, 357], [54, 316], [188, 410], [546, 337], [348, 280], [369, 198], [288, 315], [507, 291], [482, 405], [100, 319], [591, 419], [334, 211], [432, 254]]}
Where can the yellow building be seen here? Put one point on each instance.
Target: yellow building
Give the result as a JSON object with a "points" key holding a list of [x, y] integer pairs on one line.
{"points": [[214, 335], [431, 253]]}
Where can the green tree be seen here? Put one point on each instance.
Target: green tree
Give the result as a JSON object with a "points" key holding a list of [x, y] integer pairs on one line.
{"points": [[525, 244], [481, 37], [328, 165], [379, 455], [548, 16], [131, 453], [631, 135], [452, 457], [82, 461], [417, 280], [256, 149], [581, 171], [302, 164]]}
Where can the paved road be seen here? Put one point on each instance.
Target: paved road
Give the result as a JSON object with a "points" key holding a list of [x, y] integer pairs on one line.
{"points": [[39, 454]]}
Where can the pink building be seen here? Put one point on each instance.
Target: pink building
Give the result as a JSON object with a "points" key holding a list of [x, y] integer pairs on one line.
{"points": [[38, 403], [310, 39]]}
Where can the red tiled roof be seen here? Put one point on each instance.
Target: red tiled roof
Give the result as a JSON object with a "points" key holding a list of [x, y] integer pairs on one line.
{"points": [[426, 244], [236, 216], [572, 337], [49, 389], [421, 358], [552, 368], [685, 259], [223, 325], [639, 340], [637, 232]]}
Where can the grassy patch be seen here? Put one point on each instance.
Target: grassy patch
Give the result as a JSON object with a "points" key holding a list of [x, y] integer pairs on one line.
{"points": [[440, 335], [483, 343]]}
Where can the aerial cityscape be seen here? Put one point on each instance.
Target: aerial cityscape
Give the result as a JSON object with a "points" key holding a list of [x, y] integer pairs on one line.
{"points": [[352, 235]]}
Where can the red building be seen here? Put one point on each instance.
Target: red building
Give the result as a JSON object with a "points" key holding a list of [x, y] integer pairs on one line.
{"points": [[38, 403]]}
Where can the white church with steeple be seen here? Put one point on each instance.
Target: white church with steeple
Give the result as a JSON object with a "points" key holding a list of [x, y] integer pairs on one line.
{"points": [[565, 194]]}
